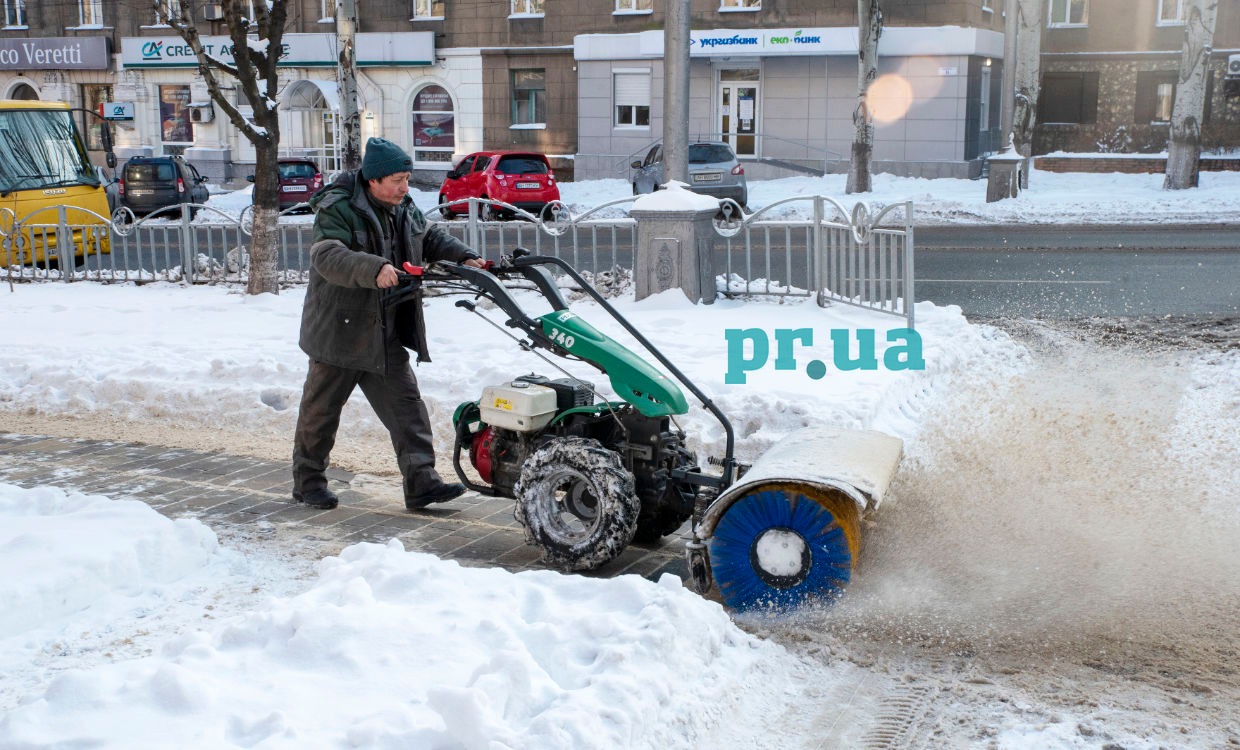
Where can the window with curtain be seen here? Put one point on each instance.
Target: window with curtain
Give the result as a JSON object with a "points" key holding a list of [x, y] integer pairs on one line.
{"points": [[14, 13], [740, 4], [526, 7], [1170, 12], [634, 6], [1155, 97], [427, 9], [529, 97], [1069, 12], [90, 12], [631, 92]]}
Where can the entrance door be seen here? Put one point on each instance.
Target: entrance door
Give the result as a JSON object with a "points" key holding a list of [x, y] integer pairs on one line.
{"points": [[738, 110]]}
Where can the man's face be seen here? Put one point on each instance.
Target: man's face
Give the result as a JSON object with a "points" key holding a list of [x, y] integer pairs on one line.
{"points": [[390, 190]]}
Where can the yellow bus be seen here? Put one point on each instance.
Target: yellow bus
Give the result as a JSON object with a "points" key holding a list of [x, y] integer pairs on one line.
{"points": [[43, 164]]}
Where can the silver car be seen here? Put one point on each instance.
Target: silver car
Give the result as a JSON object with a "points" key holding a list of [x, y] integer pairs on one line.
{"points": [[713, 171]]}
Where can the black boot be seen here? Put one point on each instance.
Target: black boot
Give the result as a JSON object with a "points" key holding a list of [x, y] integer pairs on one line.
{"points": [[321, 498], [440, 493]]}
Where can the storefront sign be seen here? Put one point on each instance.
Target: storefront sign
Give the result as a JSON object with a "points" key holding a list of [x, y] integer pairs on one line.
{"points": [[54, 53], [721, 42], [297, 50]]}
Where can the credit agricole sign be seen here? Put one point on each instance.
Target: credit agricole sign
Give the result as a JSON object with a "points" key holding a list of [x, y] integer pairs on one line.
{"points": [[296, 51]]}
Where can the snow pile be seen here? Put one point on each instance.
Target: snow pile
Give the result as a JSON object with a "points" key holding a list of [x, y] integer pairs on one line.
{"points": [[397, 649]]}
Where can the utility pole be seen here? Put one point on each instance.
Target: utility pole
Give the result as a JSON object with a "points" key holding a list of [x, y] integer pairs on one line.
{"points": [[676, 91], [350, 120]]}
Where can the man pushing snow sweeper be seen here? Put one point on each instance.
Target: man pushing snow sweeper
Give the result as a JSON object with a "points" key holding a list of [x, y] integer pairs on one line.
{"points": [[588, 472]]}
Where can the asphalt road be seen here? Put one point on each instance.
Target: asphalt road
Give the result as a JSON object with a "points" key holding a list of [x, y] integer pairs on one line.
{"points": [[1070, 271]]}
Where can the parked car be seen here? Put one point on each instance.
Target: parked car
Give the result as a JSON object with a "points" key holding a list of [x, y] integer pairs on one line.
{"points": [[713, 170], [299, 179], [521, 178], [149, 183]]}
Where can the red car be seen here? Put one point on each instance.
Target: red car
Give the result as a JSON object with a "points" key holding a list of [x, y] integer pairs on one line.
{"points": [[299, 179], [520, 178]]}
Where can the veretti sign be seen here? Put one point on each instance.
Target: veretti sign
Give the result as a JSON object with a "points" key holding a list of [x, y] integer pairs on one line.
{"points": [[54, 53], [296, 50]]}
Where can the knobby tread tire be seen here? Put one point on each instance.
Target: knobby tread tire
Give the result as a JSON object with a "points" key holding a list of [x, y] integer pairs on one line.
{"points": [[585, 465]]}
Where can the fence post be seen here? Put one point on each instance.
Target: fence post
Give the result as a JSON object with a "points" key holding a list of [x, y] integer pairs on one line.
{"points": [[675, 244], [819, 253], [188, 241], [64, 244]]}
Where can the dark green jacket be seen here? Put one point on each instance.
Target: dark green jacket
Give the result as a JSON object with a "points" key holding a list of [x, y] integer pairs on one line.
{"points": [[343, 322]]}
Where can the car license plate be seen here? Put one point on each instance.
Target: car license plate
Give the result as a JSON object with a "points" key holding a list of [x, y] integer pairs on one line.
{"points": [[707, 177], [528, 185], [294, 188]]}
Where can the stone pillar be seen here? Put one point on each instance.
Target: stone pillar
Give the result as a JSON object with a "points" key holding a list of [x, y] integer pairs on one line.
{"points": [[1004, 180], [675, 243]]}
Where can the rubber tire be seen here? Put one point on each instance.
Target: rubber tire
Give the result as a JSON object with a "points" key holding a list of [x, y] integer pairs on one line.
{"points": [[487, 212], [588, 466], [829, 526], [445, 212]]}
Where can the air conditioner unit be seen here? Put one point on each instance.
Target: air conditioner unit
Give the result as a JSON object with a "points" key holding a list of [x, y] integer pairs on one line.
{"points": [[213, 12], [1233, 66], [202, 113]]}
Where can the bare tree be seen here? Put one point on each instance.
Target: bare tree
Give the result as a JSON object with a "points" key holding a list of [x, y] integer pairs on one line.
{"points": [[1184, 147], [250, 60], [869, 29], [1030, 17]]}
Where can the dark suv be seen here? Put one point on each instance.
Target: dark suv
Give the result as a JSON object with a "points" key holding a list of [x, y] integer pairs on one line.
{"points": [[149, 183]]}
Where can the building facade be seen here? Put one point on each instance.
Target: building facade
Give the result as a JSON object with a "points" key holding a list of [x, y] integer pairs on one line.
{"points": [[582, 80], [1109, 71]]}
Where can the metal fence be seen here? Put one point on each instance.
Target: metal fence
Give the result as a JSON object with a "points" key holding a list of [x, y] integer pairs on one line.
{"points": [[839, 255]]}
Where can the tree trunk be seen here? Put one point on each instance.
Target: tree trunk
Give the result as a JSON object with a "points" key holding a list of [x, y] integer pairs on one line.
{"points": [[1030, 15], [869, 28], [255, 72], [1184, 147], [265, 240]]}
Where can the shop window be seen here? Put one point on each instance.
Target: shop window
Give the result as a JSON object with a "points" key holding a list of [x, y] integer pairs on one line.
{"points": [[1170, 12], [1068, 98], [526, 8], [434, 125], [94, 95], [631, 91], [634, 6], [1069, 12], [175, 125], [529, 97], [1155, 97], [740, 5], [15, 14], [427, 10]]}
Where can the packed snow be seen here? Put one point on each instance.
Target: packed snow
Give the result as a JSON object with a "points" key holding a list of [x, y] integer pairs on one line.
{"points": [[121, 628]]}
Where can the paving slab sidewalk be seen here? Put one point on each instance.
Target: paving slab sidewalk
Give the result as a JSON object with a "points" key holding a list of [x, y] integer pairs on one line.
{"points": [[249, 495]]}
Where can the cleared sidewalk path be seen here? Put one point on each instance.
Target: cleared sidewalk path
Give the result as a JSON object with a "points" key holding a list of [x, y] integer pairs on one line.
{"points": [[252, 495]]}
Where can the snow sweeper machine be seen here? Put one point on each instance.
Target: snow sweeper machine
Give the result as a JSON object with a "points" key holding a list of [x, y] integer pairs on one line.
{"points": [[589, 475]]}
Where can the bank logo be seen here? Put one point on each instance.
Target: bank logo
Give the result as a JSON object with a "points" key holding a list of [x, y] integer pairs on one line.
{"points": [[153, 51]]}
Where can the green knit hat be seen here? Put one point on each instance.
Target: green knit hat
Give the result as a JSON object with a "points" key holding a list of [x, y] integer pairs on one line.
{"points": [[383, 158]]}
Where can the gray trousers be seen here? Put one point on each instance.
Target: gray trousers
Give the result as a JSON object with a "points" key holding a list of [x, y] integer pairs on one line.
{"points": [[397, 402]]}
